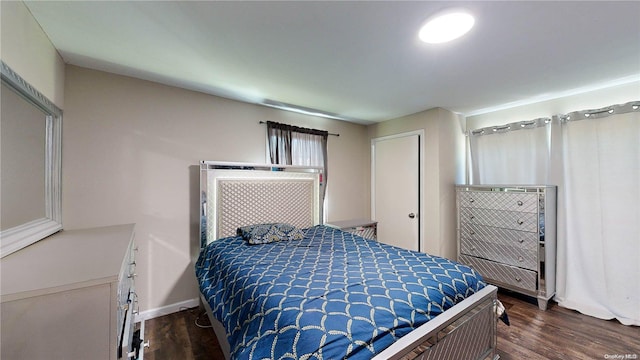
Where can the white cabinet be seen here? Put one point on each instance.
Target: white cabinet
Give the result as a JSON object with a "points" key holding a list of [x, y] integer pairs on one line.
{"points": [[508, 234], [69, 296]]}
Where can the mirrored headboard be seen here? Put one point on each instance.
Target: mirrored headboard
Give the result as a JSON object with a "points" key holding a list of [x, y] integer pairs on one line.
{"points": [[239, 194], [31, 136]]}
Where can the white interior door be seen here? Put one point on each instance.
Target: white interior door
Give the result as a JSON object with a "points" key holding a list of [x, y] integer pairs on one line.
{"points": [[395, 202]]}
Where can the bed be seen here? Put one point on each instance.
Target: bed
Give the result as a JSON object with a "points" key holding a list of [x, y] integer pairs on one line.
{"points": [[316, 292]]}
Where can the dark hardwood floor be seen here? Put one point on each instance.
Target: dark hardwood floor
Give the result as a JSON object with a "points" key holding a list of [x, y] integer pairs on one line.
{"points": [[177, 337], [557, 333]]}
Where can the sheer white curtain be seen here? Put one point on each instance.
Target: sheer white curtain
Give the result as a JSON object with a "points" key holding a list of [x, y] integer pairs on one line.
{"points": [[598, 270], [594, 159], [307, 149], [517, 153]]}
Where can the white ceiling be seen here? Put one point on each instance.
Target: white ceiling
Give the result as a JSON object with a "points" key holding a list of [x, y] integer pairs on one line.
{"points": [[360, 60]]}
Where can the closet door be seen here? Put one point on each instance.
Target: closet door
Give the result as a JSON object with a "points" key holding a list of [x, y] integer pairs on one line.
{"points": [[395, 196]]}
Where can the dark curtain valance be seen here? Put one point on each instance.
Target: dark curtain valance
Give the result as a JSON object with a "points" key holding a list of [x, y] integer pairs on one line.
{"points": [[293, 128]]}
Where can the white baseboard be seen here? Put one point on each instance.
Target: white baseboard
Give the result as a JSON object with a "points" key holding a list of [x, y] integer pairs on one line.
{"points": [[166, 310]]}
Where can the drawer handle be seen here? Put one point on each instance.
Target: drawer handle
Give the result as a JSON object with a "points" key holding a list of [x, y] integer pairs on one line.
{"points": [[520, 221], [518, 279], [472, 232], [473, 248], [520, 258], [130, 276], [519, 203], [472, 217], [471, 200], [520, 241]]}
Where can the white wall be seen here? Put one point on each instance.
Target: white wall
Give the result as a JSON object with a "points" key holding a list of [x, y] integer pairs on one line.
{"points": [[595, 99], [28, 51], [130, 154]]}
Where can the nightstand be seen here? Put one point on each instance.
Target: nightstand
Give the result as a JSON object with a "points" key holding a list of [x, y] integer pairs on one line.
{"points": [[362, 227]]}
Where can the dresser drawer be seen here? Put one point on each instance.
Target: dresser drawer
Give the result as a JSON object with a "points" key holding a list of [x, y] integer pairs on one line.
{"points": [[511, 255], [511, 201], [127, 275], [123, 306], [525, 240], [508, 276], [126, 302], [499, 218]]}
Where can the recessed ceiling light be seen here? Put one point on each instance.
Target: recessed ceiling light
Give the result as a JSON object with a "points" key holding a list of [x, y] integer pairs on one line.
{"points": [[446, 26]]}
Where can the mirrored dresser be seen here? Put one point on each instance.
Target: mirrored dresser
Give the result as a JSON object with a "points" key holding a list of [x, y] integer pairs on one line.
{"points": [[508, 235]]}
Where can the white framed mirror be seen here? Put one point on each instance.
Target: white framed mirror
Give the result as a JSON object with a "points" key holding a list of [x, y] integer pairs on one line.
{"points": [[30, 150]]}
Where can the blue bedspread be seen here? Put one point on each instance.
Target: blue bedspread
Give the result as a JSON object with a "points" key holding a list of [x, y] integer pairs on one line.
{"points": [[332, 295]]}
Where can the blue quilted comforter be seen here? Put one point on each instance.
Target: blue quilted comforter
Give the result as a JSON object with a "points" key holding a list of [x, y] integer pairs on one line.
{"points": [[332, 295]]}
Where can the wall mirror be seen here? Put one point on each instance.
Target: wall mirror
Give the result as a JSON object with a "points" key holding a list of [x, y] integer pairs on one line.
{"points": [[30, 151]]}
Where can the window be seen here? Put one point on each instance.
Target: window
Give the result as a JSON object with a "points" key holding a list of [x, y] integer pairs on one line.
{"points": [[292, 145]]}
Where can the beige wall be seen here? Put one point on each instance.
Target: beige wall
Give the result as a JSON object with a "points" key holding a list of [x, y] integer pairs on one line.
{"points": [[28, 51], [130, 154], [443, 166]]}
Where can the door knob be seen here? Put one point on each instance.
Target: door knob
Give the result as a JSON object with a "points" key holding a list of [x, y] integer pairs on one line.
{"points": [[412, 215]]}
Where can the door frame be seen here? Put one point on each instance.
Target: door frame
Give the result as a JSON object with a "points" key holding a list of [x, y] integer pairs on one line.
{"points": [[421, 219]]}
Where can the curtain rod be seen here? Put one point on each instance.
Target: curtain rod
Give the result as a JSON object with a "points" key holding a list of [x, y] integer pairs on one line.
{"points": [[529, 124], [632, 106], [264, 122]]}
